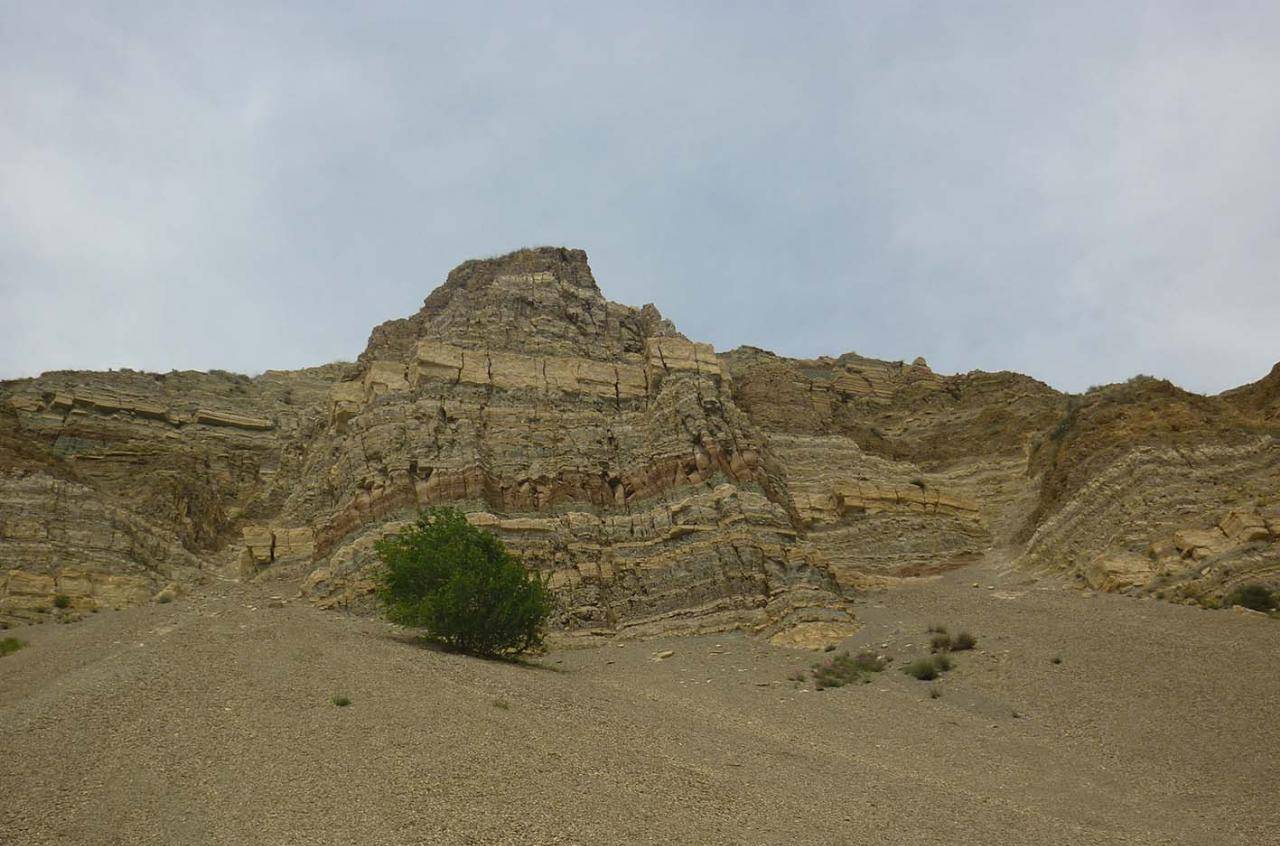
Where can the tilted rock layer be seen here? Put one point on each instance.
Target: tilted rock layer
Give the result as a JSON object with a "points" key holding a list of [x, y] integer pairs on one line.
{"points": [[661, 486]]}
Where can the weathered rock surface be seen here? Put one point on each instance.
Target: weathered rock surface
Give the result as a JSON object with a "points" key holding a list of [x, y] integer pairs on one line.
{"points": [[1145, 469], [662, 486]]}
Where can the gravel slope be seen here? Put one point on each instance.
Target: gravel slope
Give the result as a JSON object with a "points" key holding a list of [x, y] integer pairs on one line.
{"points": [[208, 721]]}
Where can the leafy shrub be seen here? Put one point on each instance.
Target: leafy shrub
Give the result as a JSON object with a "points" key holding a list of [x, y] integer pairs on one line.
{"points": [[963, 642], [1254, 596], [10, 645], [62, 601], [460, 584]]}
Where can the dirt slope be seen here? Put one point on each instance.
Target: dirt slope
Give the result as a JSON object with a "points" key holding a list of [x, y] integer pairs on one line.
{"points": [[207, 721]]}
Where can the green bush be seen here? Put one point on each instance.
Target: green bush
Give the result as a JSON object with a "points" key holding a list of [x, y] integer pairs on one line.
{"points": [[11, 644], [62, 601], [1253, 595], [459, 584]]}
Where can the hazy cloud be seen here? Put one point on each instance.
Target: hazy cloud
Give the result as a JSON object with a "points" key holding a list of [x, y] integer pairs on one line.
{"points": [[1077, 193]]}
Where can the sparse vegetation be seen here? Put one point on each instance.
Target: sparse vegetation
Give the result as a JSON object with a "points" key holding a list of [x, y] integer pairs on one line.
{"points": [[62, 601], [10, 645], [1253, 596], [943, 642], [869, 662], [842, 669], [934, 693], [1068, 420], [502, 704], [459, 584], [923, 669], [919, 483], [928, 669], [340, 701]]}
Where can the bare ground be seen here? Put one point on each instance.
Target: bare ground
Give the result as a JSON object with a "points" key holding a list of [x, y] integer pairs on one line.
{"points": [[209, 720]]}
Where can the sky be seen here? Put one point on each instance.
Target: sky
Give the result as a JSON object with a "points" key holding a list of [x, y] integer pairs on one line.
{"points": [[1080, 192]]}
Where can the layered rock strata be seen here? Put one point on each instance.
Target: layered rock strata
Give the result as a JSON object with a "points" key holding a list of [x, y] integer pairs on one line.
{"points": [[662, 487]]}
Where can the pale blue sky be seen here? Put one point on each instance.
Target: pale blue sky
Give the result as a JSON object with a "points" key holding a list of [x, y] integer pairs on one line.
{"points": [[1077, 193]]}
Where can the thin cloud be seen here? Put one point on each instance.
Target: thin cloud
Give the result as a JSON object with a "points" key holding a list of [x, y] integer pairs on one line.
{"points": [[1077, 193]]}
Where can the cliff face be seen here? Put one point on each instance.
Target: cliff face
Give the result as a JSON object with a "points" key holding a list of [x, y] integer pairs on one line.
{"points": [[895, 470], [662, 486]]}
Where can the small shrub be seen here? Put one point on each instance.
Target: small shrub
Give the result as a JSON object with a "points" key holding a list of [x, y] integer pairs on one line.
{"points": [[62, 601], [1253, 596], [940, 643], [934, 693], [459, 583], [942, 662], [502, 704], [919, 483], [10, 645], [839, 670], [869, 662], [340, 701], [963, 642], [924, 669]]}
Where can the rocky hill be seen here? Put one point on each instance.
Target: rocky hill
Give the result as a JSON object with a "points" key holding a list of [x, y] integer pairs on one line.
{"points": [[663, 487]]}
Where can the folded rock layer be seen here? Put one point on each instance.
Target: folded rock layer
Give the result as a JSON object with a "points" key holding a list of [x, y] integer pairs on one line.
{"points": [[661, 486]]}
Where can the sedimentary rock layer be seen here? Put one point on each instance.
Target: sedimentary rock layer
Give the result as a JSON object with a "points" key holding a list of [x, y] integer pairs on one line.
{"points": [[662, 487]]}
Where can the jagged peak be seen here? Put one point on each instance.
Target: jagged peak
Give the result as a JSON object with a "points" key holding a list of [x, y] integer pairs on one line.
{"points": [[537, 265], [539, 300]]}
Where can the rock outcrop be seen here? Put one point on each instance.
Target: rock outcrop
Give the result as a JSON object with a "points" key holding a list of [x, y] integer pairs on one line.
{"points": [[1144, 485], [663, 487]]}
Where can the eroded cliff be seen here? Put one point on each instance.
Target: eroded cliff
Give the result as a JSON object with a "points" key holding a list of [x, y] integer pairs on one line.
{"points": [[662, 486]]}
